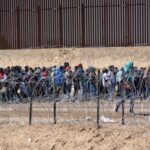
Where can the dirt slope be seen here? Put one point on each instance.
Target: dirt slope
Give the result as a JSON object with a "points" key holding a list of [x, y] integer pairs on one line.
{"points": [[61, 137], [99, 57]]}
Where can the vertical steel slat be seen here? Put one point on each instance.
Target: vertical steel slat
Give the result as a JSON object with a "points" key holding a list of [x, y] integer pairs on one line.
{"points": [[121, 8], [101, 22], [7, 23], [111, 30], [129, 23], [144, 22], [11, 26], [14, 25], [60, 26], [66, 24], [22, 25], [6, 16], [43, 33], [70, 22], [133, 12], [105, 23], [98, 14], [22, 32], [103, 26], [33, 15], [50, 24], [18, 28], [53, 25], [75, 24], [26, 27], [147, 22], [83, 25], [111, 39], [112, 25], [136, 23], [87, 40], [126, 21], [39, 26], [0, 26], [33, 24], [123, 24], [93, 27], [89, 22], [115, 22], [145, 17], [79, 23], [92, 22], [1, 22], [117, 26], [140, 23], [41, 4]]}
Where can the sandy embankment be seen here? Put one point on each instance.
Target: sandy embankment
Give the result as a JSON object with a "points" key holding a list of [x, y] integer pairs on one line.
{"points": [[99, 57], [60, 137]]}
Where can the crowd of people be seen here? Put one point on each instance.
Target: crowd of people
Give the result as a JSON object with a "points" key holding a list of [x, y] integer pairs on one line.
{"points": [[128, 82]]}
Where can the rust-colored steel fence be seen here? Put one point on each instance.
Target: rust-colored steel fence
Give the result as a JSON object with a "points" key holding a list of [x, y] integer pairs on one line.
{"points": [[73, 23]]}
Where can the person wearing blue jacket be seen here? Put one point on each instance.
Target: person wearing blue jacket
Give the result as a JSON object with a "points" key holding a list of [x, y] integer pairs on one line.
{"points": [[58, 81]]}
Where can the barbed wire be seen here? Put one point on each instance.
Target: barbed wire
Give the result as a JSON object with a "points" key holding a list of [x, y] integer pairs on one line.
{"points": [[16, 91], [79, 106]]}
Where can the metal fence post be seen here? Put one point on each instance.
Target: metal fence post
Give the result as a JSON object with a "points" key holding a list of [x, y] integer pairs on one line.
{"points": [[123, 119], [83, 24], [39, 26], [123, 101], [30, 113], [0, 23], [54, 112], [18, 28], [60, 27], [98, 125], [98, 101]]}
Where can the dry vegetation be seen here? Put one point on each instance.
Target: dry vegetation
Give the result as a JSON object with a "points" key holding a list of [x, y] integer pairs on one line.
{"points": [[99, 57]]}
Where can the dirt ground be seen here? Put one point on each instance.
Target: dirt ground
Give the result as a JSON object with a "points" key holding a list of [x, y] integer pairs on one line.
{"points": [[16, 134], [75, 137], [60, 137], [98, 57]]}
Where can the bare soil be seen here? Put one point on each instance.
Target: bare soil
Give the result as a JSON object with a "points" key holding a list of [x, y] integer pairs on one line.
{"points": [[61, 137], [98, 57]]}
